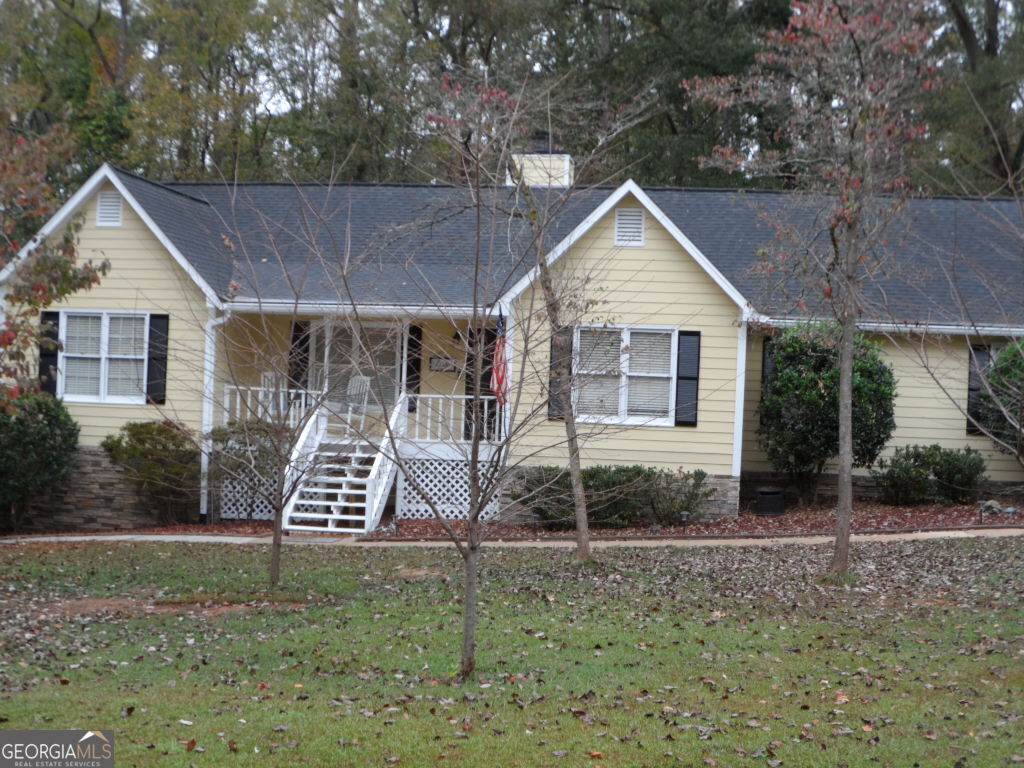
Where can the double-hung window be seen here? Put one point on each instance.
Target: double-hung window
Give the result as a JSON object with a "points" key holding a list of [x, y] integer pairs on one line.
{"points": [[626, 375], [103, 357]]}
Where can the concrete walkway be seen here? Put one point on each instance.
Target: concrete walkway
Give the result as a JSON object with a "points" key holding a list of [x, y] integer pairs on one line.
{"points": [[351, 541]]}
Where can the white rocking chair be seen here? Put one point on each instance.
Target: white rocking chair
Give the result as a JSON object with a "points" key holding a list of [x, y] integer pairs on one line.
{"points": [[357, 394]]}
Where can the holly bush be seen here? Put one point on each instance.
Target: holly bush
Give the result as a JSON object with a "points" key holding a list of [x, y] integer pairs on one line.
{"points": [[38, 448], [1001, 403], [162, 459], [799, 408]]}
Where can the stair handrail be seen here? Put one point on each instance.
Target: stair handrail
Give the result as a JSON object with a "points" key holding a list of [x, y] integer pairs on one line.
{"points": [[301, 458], [384, 465]]}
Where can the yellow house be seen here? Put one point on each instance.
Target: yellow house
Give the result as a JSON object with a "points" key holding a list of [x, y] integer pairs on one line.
{"points": [[399, 334]]}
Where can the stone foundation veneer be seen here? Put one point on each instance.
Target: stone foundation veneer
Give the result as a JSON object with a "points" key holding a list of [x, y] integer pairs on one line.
{"points": [[726, 501], [95, 498]]}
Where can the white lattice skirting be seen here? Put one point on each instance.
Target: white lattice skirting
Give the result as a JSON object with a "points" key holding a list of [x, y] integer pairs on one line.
{"points": [[240, 501], [446, 482]]}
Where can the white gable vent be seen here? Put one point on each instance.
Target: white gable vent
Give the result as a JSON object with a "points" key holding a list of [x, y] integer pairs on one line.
{"points": [[629, 226], [109, 206]]}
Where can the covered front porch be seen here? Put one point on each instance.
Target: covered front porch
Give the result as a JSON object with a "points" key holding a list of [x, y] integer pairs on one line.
{"points": [[357, 403]]}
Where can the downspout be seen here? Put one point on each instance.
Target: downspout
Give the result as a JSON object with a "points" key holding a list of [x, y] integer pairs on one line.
{"points": [[740, 405], [209, 382]]}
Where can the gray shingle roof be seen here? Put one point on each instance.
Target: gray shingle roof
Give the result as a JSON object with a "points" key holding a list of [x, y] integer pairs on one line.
{"points": [[940, 260], [946, 260], [189, 223]]}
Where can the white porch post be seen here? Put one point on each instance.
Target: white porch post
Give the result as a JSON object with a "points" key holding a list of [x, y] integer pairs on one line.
{"points": [[505, 307]]}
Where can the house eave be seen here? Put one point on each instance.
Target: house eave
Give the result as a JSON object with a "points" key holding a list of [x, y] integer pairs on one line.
{"points": [[909, 327], [374, 311]]}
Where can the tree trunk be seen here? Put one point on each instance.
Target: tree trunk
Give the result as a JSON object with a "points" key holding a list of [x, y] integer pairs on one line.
{"points": [[844, 503], [275, 545], [579, 497], [470, 584], [553, 311]]}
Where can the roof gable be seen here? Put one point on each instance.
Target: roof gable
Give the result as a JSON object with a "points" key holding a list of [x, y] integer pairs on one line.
{"points": [[129, 191], [631, 189]]}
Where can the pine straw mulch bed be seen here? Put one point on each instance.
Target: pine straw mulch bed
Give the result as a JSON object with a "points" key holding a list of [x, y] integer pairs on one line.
{"points": [[868, 518]]}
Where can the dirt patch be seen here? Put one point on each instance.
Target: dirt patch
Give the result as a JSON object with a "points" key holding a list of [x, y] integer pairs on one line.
{"points": [[85, 606], [129, 607], [422, 574]]}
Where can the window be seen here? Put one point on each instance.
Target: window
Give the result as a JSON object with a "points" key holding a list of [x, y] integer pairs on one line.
{"points": [[103, 357], [109, 208], [637, 375], [629, 227], [981, 359]]}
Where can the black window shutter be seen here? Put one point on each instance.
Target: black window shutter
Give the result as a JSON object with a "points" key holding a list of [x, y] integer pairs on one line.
{"points": [[48, 346], [156, 368], [767, 360], [981, 356], [561, 363], [413, 364], [298, 355], [767, 369], [687, 374]]}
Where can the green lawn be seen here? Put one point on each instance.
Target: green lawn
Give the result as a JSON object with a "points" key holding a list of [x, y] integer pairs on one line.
{"points": [[649, 657]]}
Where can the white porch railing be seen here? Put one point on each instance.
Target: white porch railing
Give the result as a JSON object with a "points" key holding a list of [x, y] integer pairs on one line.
{"points": [[268, 404], [382, 474], [450, 419], [303, 457]]}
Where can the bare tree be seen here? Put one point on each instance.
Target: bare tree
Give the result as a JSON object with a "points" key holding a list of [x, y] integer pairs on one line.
{"points": [[848, 77]]}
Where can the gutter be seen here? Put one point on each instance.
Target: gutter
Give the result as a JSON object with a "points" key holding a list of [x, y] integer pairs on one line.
{"points": [[941, 329], [287, 307]]}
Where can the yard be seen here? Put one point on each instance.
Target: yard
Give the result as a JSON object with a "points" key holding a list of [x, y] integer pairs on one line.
{"points": [[716, 657]]}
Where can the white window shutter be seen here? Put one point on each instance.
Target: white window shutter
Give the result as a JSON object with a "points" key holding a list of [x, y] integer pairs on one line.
{"points": [[629, 227], [109, 207]]}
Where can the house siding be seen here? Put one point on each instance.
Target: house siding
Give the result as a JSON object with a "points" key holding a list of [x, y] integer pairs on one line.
{"points": [[143, 277], [251, 345], [657, 285], [439, 342], [924, 411]]}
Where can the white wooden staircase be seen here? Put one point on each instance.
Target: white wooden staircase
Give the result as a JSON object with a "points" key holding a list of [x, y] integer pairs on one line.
{"points": [[339, 480], [334, 495]]}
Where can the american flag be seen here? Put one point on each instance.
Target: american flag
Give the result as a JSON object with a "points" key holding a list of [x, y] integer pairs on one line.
{"points": [[499, 366]]}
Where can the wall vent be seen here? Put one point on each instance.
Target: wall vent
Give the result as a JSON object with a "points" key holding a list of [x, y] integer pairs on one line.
{"points": [[629, 227], [109, 207]]}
